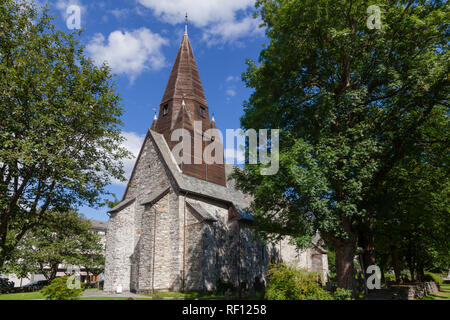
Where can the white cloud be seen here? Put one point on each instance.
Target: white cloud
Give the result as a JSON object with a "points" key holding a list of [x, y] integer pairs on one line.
{"points": [[133, 143], [221, 20], [129, 52], [231, 92], [231, 86], [232, 31], [232, 79], [200, 12], [119, 13]]}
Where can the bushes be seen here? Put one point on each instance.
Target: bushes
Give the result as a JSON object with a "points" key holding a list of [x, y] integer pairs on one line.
{"points": [[433, 277], [342, 294], [58, 290], [389, 276], [223, 286], [287, 283]]}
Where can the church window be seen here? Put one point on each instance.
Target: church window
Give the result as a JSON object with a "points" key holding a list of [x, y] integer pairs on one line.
{"points": [[202, 111], [165, 109]]}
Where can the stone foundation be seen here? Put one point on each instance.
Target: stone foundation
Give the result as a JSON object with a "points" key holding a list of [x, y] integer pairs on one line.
{"points": [[414, 291]]}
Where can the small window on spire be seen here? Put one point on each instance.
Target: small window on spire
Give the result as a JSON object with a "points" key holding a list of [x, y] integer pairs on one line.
{"points": [[165, 109], [202, 111]]}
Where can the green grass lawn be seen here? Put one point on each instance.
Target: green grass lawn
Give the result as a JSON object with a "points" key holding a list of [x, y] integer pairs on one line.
{"points": [[443, 294], [22, 296], [197, 295], [38, 295], [109, 298], [160, 295], [182, 294]]}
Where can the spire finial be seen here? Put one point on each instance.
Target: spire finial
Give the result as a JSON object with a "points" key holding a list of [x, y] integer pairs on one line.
{"points": [[185, 27], [155, 118], [212, 120]]}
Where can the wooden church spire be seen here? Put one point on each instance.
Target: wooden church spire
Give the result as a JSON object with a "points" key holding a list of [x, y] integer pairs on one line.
{"points": [[183, 103]]}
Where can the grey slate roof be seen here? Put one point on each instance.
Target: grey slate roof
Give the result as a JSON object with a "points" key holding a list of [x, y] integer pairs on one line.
{"points": [[201, 187], [197, 207], [318, 243], [155, 195], [98, 225], [121, 205]]}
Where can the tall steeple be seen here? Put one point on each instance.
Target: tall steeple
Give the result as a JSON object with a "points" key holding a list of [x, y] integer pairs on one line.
{"points": [[183, 103]]}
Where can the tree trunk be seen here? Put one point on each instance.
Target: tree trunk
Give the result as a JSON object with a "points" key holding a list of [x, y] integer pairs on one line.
{"points": [[411, 267], [2, 260], [53, 272], [396, 264], [345, 251], [420, 272], [366, 242]]}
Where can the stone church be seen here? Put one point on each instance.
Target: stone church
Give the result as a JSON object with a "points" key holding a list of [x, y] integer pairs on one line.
{"points": [[185, 226]]}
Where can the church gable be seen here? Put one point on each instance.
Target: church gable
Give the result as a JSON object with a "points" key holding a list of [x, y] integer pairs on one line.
{"points": [[149, 173]]}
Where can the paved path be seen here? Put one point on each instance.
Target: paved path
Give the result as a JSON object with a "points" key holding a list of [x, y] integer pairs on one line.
{"points": [[98, 293]]}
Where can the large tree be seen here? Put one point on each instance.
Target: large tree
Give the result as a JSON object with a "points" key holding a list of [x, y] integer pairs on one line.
{"points": [[413, 223], [59, 118], [351, 103], [61, 239]]}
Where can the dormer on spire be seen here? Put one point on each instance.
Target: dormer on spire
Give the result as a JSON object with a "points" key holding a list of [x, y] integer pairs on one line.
{"points": [[155, 120], [213, 122]]}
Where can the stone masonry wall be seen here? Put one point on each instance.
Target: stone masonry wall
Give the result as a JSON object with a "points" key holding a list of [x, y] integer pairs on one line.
{"points": [[119, 249], [158, 247], [124, 243], [413, 291]]}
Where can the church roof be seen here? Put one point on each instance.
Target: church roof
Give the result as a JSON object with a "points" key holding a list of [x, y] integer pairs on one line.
{"points": [[121, 205], [184, 106], [184, 80], [202, 212], [98, 225], [155, 195], [228, 194], [194, 186]]}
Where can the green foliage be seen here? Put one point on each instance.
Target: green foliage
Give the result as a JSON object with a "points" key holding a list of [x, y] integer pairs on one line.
{"points": [[331, 255], [429, 276], [342, 294], [62, 238], [60, 142], [222, 286], [286, 283], [363, 115], [58, 290], [389, 276]]}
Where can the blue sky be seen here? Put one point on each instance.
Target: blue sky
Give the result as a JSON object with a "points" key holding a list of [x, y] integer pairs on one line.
{"points": [[140, 39]]}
